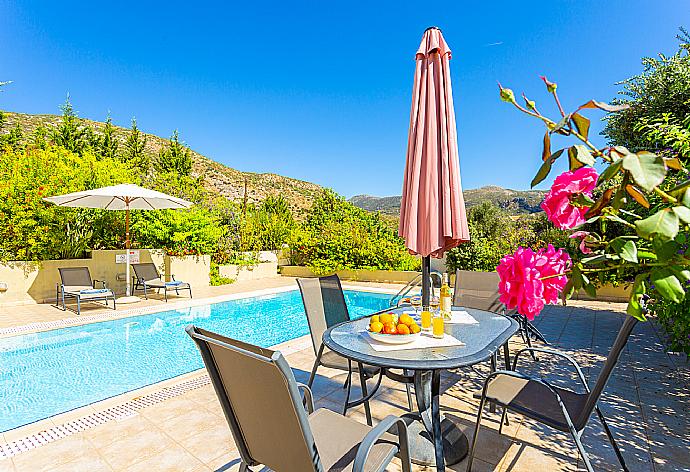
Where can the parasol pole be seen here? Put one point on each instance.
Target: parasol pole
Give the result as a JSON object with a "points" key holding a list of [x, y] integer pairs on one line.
{"points": [[127, 244], [426, 279]]}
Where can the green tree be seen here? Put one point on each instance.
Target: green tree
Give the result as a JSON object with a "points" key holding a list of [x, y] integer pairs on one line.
{"points": [[107, 144], [70, 134], [176, 157], [658, 98], [135, 147], [2, 119], [39, 138], [13, 139]]}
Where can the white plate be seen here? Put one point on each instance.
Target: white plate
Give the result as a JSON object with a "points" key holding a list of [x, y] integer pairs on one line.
{"points": [[394, 338]]}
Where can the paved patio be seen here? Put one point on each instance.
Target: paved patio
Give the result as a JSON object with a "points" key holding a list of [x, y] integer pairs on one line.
{"points": [[647, 404]]}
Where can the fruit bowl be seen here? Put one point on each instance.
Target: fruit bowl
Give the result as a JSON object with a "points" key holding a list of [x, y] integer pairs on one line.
{"points": [[394, 338]]}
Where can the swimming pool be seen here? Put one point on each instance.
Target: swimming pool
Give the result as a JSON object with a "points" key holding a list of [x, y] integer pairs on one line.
{"points": [[47, 373]]}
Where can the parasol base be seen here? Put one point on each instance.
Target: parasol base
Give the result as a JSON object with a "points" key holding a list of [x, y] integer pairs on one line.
{"points": [[128, 299]]}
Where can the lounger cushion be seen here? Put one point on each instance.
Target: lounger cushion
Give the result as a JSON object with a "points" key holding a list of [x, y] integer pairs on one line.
{"points": [[535, 400], [88, 292], [337, 438], [158, 283]]}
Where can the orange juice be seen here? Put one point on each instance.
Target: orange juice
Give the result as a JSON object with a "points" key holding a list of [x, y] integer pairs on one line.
{"points": [[426, 319], [438, 326]]}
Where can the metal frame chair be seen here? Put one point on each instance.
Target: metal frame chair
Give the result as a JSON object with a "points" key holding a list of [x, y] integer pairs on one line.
{"points": [[557, 407], [76, 282], [274, 426], [147, 276], [324, 305]]}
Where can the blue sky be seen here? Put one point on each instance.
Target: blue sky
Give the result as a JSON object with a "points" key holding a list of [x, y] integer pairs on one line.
{"points": [[320, 91]]}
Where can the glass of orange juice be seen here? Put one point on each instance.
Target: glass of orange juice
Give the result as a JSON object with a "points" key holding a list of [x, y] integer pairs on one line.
{"points": [[437, 322], [426, 318]]}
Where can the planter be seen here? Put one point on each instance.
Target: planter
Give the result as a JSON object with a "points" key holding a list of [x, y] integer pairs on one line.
{"points": [[360, 275], [262, 270]]}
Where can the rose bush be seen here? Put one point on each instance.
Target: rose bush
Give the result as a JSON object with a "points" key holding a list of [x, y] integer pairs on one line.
{"points": [[631, 219]]}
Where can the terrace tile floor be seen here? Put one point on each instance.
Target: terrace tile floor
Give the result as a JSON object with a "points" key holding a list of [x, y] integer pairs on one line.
{"points": [[646, 402]]}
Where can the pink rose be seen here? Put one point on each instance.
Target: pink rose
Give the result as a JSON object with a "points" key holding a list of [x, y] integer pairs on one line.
{"points": [[583, 235], [567, 186], [530, 280]]}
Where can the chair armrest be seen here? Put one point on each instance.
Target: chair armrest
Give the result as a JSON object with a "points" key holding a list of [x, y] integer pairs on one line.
{"points": [[172, 277], [308, 397], [102, 282], [556, 353], [375, 434]]}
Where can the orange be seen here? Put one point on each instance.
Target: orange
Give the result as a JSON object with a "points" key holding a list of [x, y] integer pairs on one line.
{"points": [[375, 319], [386, 318], [389, 328], [406, 319], [376, 327], [403, 329], [414, 328]]}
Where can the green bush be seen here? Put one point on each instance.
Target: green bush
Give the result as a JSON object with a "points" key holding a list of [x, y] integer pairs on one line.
{"points": [[337, 235], [675, 320], [30, 228]]}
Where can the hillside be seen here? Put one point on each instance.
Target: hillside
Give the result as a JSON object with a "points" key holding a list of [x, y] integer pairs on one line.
{"points": [[217, 177], [516, 202]]}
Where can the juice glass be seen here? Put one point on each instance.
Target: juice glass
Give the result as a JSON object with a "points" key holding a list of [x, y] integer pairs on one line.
{"points": [[426, 318], [437, 323]]}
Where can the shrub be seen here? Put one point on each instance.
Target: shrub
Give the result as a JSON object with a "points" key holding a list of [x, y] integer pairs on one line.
{"points": [[337, 235]]}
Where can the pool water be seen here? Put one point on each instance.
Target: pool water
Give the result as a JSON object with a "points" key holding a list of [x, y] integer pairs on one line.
{"points": [[47, 373]]}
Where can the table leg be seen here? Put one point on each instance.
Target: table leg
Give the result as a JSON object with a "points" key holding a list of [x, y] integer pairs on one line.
{"points": [[363, 384], [436, 420], [433, 439]]}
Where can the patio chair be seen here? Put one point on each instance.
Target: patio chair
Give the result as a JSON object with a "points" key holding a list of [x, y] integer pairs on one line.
{"points": [[559, 408], [146, 277], [76, 283], [272, 424], [324, 305]]}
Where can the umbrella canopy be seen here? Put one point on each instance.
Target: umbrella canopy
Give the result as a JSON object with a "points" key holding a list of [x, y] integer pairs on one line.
{"points": [[432, 210], [121, 197]]}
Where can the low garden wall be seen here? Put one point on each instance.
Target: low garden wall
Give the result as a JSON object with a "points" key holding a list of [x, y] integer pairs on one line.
{"points": [[34, 282], [238, 273], [360, 275]]}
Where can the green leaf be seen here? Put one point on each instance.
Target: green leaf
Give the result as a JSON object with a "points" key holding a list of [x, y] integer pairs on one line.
{"points": [[545, 168], [627, 251], [646, 255], [668, 285], [683, 213], [647, 169], [591, 290], [638, 289], [665, 250], [568, 290], [561, 124], [610, 171], [664, 223], [582, 124], [686, 197], [579, 156]]}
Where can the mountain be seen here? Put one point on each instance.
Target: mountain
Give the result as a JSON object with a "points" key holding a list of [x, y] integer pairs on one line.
{"points": [[516, 202], [217, 178]]}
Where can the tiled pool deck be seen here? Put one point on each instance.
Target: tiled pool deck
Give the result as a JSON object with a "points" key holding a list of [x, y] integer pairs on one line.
{"points": [[177, 425]]}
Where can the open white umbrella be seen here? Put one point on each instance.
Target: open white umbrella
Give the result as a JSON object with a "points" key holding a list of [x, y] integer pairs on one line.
{"points": [[121, 197]]}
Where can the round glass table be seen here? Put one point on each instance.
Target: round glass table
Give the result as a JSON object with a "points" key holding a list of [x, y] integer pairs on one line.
{"points": [[434, 439]]}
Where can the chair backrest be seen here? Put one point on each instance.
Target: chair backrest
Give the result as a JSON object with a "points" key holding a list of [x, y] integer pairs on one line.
{"points": [[261, 402], [611, 360], [478, 290], [75, 277], [146, 271], [324, 304]]}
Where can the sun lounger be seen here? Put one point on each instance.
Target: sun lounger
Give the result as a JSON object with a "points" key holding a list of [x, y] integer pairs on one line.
{"points": [[148, 277], [76, 283]]}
